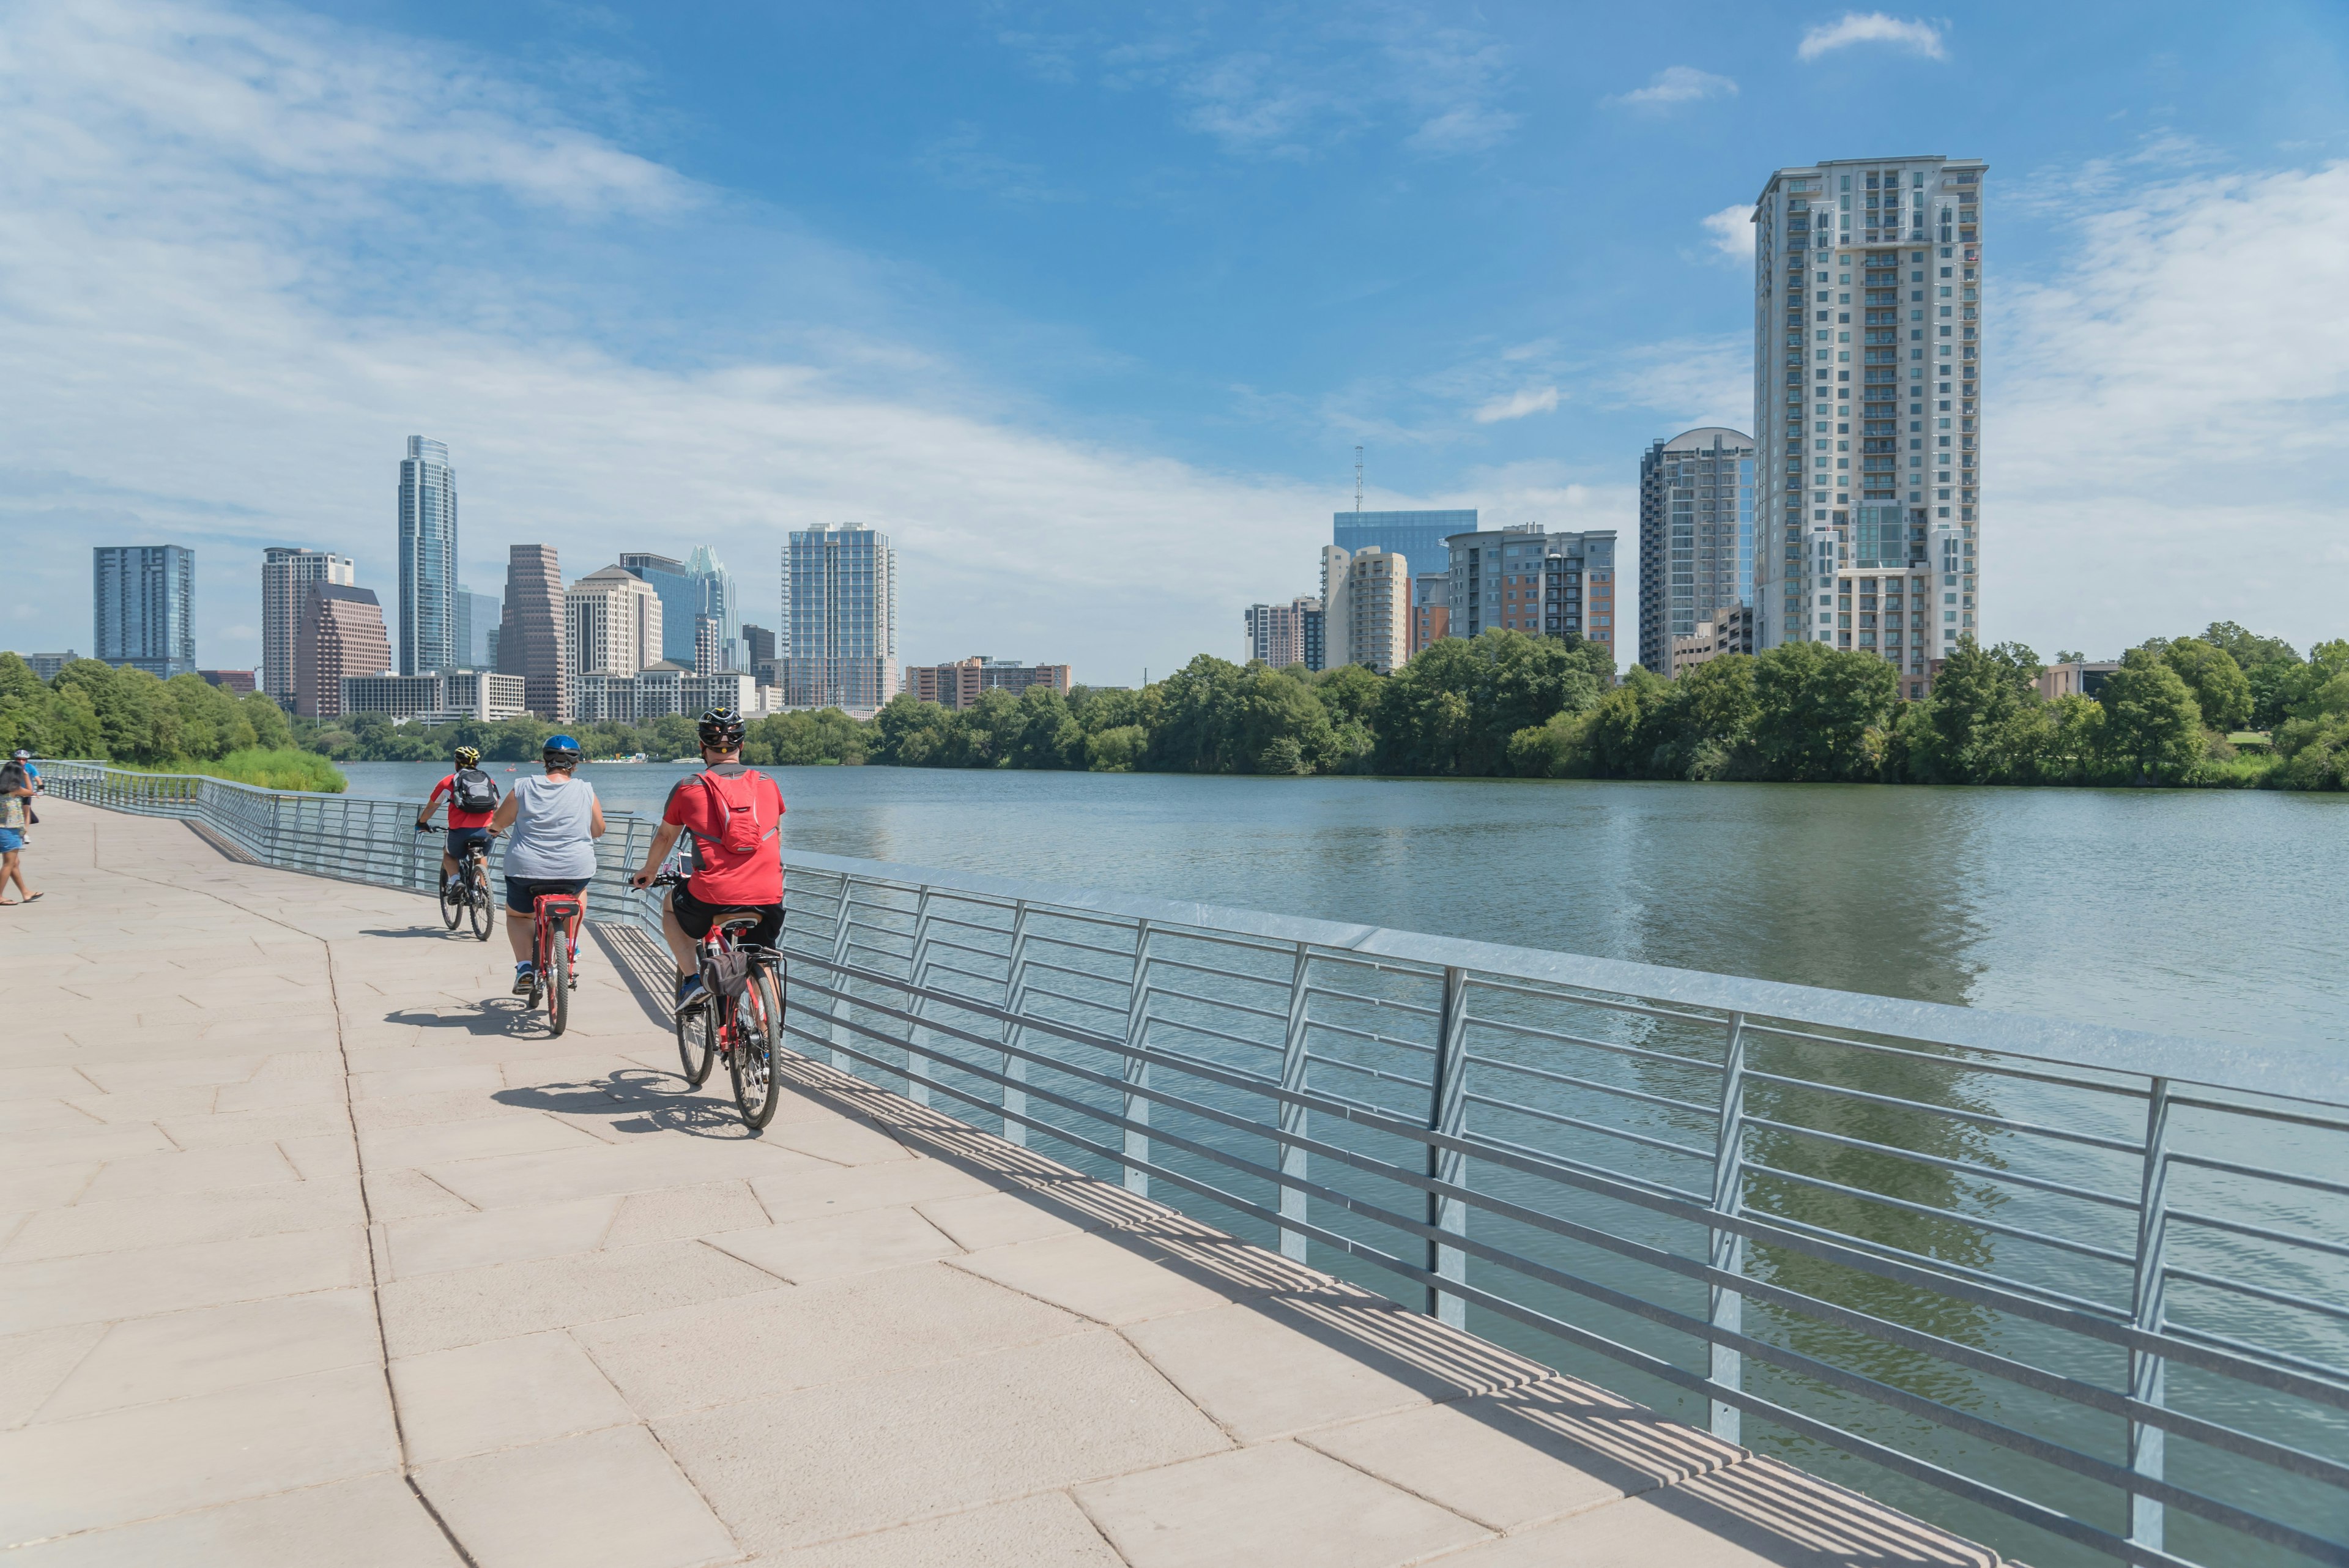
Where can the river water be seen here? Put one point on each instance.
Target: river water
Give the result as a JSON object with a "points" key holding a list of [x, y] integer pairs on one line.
{"points": [[2219, 914]]}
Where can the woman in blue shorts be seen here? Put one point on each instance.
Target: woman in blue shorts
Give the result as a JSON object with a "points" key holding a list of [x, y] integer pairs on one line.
{"points": [[553, 823]]}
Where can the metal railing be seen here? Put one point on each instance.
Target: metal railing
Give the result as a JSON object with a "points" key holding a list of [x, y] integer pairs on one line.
{"points": [[2079, 1292]]}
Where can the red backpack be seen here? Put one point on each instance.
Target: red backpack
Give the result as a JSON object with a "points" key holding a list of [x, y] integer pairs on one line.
{"points": [[737, 808]]}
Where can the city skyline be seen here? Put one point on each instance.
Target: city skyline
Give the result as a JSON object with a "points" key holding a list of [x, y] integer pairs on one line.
{"points": [[958, 344]]}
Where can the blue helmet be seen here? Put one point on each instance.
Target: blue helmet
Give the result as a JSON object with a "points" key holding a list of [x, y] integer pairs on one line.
{"points": [[560, 749]]}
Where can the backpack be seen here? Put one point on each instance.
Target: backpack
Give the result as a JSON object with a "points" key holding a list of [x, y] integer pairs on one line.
{"points": [[475, 791], [737, 818]]}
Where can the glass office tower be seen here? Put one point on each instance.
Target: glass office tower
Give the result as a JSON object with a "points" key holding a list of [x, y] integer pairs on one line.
{"points": [[427, 560], [1418, 536], [142, 611]]}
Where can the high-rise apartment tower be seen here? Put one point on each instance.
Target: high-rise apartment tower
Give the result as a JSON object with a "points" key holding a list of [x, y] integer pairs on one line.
{"points": [[427, 560], [1696, 536], [531, 637], [1366, 608], [142, 607], [838, 641], [612, 624], [1524, 578], [337, 632], [286, 579], [1868, 338], [1416, 535]]}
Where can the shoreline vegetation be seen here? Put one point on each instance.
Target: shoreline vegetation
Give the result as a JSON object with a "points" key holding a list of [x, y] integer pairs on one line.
{"points": [[131, 719], [2227, 709]]}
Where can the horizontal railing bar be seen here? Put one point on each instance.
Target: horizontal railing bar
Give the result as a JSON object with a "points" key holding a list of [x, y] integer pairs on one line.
{"points": [[2260, 1172], [2264, 1113], [1388, 1003], [2334, 1310], [1163, 1021], [1646, 1141], [1369, 1037], [1314, 1059], [1610, 1003], [1563, 1037], [1975, 1222], [1278, 1015], [1163, 960], [2244, 1228], [2090, 1309], [1975, 1060], [1942, 1162], [1595, 1085], [1980, 1119]]}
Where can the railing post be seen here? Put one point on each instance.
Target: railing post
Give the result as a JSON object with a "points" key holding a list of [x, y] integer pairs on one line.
{"points": [[1447, 1114], [1292, 1116], [1137, 1071], [1015, 997], [1727, 1252], [2148, 1308], [917, 1088], [839, 1009]]}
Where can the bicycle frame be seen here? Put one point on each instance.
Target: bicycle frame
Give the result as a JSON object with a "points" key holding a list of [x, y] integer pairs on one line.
{"points": [[548, 909]]}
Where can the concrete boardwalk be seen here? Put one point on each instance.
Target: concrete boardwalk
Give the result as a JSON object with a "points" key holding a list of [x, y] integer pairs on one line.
{"points": [[309, 1254]]}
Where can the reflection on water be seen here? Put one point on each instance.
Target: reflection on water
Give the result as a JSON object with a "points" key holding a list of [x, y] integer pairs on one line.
{"points": [[2198, 913]]}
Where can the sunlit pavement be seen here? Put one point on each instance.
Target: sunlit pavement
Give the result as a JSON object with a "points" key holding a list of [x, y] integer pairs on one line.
{"points": [[313, 1247]]}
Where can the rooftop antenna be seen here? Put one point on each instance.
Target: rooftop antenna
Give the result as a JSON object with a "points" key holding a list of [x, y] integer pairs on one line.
{"points": [[1358, 484]]}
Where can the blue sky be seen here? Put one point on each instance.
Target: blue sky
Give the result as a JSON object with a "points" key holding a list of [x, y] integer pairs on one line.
{"points": [[1089, 307]]}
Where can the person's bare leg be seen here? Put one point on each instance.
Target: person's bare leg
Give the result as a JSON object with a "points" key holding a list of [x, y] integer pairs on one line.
{"points": [[12, 871], [521, 932]]}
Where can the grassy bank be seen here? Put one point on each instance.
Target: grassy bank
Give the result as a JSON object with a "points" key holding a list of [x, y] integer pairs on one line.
{"points": [[283, 767]]}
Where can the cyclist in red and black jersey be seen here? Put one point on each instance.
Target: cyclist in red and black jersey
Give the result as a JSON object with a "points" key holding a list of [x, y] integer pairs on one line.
{"points": [[472, 800], [735, 818]]}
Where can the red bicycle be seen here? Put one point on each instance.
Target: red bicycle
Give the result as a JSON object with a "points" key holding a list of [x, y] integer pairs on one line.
{"points": [[554, 963], [739, 1015]]}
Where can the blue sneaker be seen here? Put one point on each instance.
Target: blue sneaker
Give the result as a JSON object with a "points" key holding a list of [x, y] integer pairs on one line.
{"points": [[689, 993], [525, 976]]}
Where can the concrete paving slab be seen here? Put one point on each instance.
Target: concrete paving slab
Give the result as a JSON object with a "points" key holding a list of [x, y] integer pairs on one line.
{"points": [[320, 1118], [994, 1219], [837, 1244], [477, 1239], [177, 1174], [374, 1522], [44, 1186], [208, 1350], [464, 1307], [126, 1223], [148, 1104], [813, 1189], [157, 1460], [865, 1325], [796, 1469], [76, 1146], [503, 1394], [408, 1194], [674, 1213], [838, 1140], [1047, 1531], [607, 1500], [1273, 1504], [33, 1365], [478, 1139], [107, 1285], [1091, 1277], [607, 1169], [33, 1118]]}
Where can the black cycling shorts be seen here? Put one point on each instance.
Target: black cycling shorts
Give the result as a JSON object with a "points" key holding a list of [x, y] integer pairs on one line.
{"points": [[459, 837], [523, 892], [694, 916]]}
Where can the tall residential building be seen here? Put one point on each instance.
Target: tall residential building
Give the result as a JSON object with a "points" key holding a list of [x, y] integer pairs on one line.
{"points": [[680, 598], [428, 559], [612, 624], [758, 650], [1366, 608], [962, 683], [142, 611], [1869, 280], [840, 618], [531, 636], [1282, 635], [1431, 612], [477, 624], [339, 632], [436, 698], [659, 690], [1418, 536], [1696, 536], [286, 577], [48, 664], [1523, 579]]}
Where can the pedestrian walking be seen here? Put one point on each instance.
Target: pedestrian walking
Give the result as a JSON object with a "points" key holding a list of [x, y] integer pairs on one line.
{"points": [[17, 783]]}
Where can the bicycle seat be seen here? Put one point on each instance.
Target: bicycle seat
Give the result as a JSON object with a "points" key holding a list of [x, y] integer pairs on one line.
{"points": [[737, 919]]}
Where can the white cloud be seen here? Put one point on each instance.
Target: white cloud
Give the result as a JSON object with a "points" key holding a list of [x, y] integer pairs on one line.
{"points": [[1519, 404], [2165, 416], [962, 160], [1919, 38], [1731, 231], [245, 258], [1677, 84]]}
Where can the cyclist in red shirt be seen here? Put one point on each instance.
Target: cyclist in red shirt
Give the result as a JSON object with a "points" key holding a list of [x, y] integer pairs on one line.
{"points": [[472, 800], [735, 818]]}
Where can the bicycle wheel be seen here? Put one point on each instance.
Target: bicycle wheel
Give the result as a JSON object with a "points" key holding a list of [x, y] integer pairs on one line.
{"points": [[478, 905], [758, 1034], [450, 913], [558, 984], [696, 1042]]}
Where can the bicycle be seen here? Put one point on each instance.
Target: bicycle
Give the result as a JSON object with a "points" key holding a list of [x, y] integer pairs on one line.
{"points": [[555, 965], [739, 1016], [473, 902]]}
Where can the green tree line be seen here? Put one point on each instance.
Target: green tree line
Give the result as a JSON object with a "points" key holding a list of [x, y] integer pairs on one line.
{"points": [[92, 710], [2178, 712]]}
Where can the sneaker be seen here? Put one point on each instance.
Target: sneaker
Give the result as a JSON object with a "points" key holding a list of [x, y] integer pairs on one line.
{"points": [[689, 993], [525, 976]]}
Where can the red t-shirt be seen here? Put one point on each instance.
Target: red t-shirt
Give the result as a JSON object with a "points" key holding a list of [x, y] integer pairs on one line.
{"points": [[721, 876], [448, 786]]}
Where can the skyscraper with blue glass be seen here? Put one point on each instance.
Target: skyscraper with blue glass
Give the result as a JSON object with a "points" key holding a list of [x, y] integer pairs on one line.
{"points": [[142, 607], [428, 621], [1416, 535], [838, 644]]}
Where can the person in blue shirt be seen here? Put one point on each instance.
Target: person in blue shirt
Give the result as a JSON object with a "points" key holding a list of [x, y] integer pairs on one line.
{"points": [[19, 782]]}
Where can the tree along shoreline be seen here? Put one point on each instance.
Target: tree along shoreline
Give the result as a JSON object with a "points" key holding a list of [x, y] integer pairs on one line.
{"points": [[1503, 704]]}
